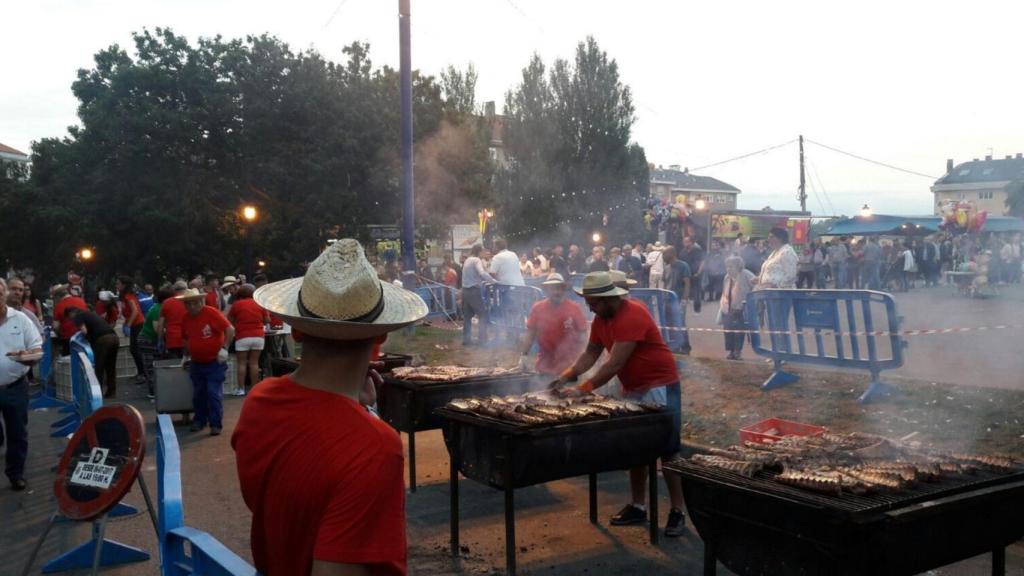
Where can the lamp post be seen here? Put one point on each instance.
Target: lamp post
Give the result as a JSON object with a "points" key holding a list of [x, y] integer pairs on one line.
{"points": [[702, 205], [249, 215]]}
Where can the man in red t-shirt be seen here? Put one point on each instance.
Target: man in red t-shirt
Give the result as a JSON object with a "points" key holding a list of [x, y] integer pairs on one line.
{"points": [[558, 327], [62, 322], [172, 313], [322, 476], [133, 321], [647, 370], [207, 333]]}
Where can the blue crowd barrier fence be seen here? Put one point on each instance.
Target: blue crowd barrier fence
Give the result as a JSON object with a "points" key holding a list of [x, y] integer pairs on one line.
{"points": [[203, 554], [441, 300], [834, 328], [664, 306], [47, 397], [508, 306]]}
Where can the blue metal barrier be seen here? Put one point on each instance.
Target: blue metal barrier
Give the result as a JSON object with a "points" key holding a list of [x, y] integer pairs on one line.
{"points": [[832, 328], [441, 300], [85, 392], [508, 306], [47, 397], [208, 556]]}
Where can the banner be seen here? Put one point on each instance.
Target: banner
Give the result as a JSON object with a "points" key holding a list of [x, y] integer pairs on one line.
{"points": [[464, 236], [727, 226]]}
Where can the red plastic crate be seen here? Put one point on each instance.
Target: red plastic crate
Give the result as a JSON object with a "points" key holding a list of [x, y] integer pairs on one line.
{"points": [[774, 429]]}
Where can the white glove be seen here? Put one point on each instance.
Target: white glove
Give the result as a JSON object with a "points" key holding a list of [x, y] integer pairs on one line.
{"points": [[222, 356]]}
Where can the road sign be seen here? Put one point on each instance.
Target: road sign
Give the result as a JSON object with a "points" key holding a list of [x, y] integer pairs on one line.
{"points": [[101, 462]]}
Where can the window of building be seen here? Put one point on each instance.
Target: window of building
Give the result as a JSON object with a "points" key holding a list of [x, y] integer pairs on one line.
{"points": [[985, 195], [986, 172], [965, 171]]}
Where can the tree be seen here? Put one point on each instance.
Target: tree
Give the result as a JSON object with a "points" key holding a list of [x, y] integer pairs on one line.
{"points": [[459, 90], [1015, 198], [568, 133]]}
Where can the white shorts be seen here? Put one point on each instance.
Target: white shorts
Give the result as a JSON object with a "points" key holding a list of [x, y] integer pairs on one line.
{"points": [[246, 344]]}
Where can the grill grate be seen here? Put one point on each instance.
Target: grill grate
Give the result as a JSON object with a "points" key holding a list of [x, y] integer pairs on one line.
{"points": [[850, 503]]}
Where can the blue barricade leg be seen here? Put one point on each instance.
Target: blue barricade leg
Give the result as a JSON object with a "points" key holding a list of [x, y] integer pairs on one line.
{"points": [[779, 378], [45, 401], [66, 430], [65, 421], [122, 509], [877, 390], [81, 557], [68, 408]]}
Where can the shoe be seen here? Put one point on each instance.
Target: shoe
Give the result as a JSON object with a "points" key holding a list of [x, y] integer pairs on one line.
{"points": [[196, 427], [214, 431], [18, 484], [150, 395], [676, 523], [629, 515]]}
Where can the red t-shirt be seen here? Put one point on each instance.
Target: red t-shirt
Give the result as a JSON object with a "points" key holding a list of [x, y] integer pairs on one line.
{"points": [[212, 300], [323, 479], [67, 327], [558, 329], [107, 310], [652, 364], [173, 312], [248, 318], [204, 334], [128, 300]]}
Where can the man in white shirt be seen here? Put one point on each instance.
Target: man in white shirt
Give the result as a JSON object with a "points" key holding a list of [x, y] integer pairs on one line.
{"points": [[657, 265], [18, 338], [505, 265]]}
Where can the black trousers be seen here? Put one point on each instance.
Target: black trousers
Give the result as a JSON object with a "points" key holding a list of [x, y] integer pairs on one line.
{"points": [[14, 412], [733, 320], [104, 352], [133, 348]]}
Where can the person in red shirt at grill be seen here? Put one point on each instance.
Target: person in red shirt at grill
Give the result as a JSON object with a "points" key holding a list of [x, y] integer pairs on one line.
{"points": [[558, 327], [133, 321], [647, 371], [322, 476], [250, 326], [62, 322], [207, 333], [172, 313]]}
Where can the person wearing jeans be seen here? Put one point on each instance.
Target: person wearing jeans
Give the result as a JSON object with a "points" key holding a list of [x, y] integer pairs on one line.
{"points": [[18, 336], [473, 278], [207, 333]]}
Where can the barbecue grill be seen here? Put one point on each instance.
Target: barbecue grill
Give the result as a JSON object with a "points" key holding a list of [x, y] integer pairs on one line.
{"points": [[282, 366], [507, 456], [757, 526], [409, 405]]}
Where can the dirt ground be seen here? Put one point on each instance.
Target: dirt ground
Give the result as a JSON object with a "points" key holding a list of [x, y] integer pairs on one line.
{"points": [[554, 535]]}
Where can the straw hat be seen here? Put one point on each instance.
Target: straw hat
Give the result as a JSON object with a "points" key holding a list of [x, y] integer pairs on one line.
{"points": [[619, 278], [106, 296], [228, 281], [600, 284], [192, 294], [553, 279], [341, 298]]}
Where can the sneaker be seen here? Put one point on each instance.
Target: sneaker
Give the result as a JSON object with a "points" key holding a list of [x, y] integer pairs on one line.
{"points": [[630, 514], [214, 431], [676, 523], [18, 484], [196, 427]]}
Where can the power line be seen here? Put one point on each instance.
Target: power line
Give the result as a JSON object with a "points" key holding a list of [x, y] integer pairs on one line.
{"points": [[824, 192], [741, 157], [869, 160], [335, 13]]}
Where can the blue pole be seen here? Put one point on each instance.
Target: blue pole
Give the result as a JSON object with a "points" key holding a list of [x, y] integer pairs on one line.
{"points": [[408, 200]]}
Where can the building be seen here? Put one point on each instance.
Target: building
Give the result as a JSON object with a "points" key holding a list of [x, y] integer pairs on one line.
{"points": [[983, 182], [671, 182], [17, 158]]}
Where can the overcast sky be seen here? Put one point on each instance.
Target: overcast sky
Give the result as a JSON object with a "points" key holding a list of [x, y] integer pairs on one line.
{"points": [[904, 82]]}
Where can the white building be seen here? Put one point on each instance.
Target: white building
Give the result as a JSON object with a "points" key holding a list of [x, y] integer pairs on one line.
{"points": [[983, 182]]}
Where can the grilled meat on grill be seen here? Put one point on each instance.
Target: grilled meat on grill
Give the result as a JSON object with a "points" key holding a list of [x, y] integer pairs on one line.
{"points": [[543, 408], [448, 373], [847, 463]]}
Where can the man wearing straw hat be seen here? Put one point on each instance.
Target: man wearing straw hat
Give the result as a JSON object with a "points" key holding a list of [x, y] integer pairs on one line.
{"points": [[558, 327], [321, 475], [207, 333], [647, 371]]}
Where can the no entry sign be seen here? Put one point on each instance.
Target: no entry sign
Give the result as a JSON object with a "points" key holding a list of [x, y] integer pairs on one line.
{"points": [[101, 462]]}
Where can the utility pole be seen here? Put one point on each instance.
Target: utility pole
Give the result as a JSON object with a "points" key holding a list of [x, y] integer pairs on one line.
{"points": [[803, 184], [408, 199]]}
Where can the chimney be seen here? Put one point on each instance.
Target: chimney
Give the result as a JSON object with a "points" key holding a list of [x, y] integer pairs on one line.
{"points": [[1009, 156], [489, 108], [975, 160], [673, 167], [1019, 155], [988, 157], [949, 166]]}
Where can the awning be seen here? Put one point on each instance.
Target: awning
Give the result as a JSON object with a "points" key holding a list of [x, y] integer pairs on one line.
{"points": [[1003, 224], [878, 224]]}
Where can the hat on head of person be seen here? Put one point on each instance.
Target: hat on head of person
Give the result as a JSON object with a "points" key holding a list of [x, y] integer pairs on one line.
{"points": [[620, 279], [228, 281], [553, 279], [600, 284], [192, 294], [341, 298]]}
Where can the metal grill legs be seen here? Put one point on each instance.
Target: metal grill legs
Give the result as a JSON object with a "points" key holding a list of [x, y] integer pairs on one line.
{"points": [[593, 498], [652, 495], [999, 562]]}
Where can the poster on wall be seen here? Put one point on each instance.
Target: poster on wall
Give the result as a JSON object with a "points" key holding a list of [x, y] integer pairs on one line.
{"points": [[464, 236]]}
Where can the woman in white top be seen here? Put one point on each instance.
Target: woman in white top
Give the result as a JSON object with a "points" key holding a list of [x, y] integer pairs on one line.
{"points": [[779, 269], [909, 266]]}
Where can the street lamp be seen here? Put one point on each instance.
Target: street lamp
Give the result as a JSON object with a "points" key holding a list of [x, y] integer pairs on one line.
{"points": [[85, 254], [262, 264], [865, 211], [249, 214], [596, 237], [700, 204]]}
